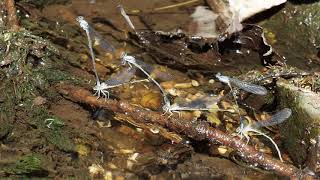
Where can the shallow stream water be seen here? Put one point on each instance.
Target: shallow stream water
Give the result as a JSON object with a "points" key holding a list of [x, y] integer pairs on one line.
{"points": [[48, 135]]}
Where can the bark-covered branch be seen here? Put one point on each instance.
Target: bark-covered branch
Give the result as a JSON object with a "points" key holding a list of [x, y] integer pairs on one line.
{"points": [[12, 18]]}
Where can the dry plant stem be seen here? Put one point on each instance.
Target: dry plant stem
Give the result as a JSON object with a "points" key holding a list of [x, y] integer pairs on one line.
{"points": [[12, 15], [197, 130], [136, 11], [175, 5]]}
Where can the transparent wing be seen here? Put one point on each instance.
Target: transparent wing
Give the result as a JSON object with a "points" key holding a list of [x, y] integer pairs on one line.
{"points": [[103, 43], [121, 77], [248, 87], [277, 118], [204, 102], [147, 67]]}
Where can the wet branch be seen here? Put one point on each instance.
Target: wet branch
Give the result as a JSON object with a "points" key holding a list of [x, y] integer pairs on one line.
{"points": [[197, 130], [12, 15]]}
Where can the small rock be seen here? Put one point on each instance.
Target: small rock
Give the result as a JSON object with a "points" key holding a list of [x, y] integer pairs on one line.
{"points": [[39, 101], [183, 85], [195, 83], [211, 81], [168, 84]]}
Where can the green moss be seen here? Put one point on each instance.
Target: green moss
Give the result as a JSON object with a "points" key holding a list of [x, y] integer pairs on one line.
{"points": [[55, 135], [31, 72], [291, 130], [30, 164], [42, 3], [62, 35], [5, 127], [7, 112], [61, 140], [33, 69], [54, 123], [54, 75], [25, 92], [37, 116]]}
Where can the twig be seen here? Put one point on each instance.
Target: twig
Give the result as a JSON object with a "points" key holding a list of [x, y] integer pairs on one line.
{"points": [[136, 11], [12, 15], [175, 5], [197, 130]]}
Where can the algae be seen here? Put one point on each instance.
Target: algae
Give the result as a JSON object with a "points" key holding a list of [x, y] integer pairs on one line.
{"points": [[55, 135], [60, 34], [42, 3], [30, 164], [61, 140], [31, 67], [5, 127], [7, 112]]}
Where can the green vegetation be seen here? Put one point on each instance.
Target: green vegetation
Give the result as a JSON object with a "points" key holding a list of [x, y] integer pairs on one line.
{"points": [[42, 3], [61, 140], [30, 164], [28, 71]]}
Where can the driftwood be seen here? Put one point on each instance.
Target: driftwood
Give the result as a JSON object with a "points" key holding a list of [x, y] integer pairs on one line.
{"points": [[197, 130]]}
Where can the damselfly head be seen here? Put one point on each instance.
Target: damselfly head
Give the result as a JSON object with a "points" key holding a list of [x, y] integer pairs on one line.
{"points": [[126, 58], [100, 86], [167, 104], [123, 58], [224, 79], [83, 23]]}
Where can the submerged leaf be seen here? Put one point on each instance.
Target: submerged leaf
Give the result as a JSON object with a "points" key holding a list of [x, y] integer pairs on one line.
{"points": [[151, 100]]}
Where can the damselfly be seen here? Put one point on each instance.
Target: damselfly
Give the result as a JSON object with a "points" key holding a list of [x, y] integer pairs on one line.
{"points": [[204, 103], [248, 87], [85, 26], [277, 118], [132, 61], [129, 22], [116, 80]]}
